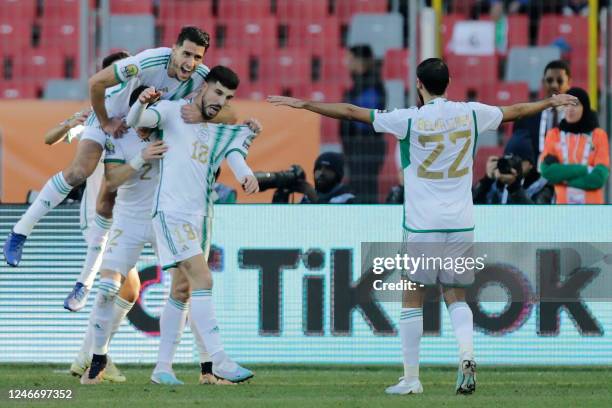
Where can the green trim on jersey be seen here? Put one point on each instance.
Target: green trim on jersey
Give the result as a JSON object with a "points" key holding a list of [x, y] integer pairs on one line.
{"points": [[160, 136], [211, 175], [154, 58], [154, 64], [372, 117], [114, 161], [204, 237], [179, 94], [158, 116], [438, 230], [475, 134], [232, 137], [167, 233], [116, 91], [117, 77], [405, 147], [235, 150]]}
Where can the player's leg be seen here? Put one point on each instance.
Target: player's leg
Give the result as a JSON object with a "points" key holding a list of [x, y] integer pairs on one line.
{"points": [[53, 193], [203, 315], [171, 326], [97, 236]]}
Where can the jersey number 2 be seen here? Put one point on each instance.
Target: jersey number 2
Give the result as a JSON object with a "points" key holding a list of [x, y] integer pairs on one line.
{"points": [[453, 171]]}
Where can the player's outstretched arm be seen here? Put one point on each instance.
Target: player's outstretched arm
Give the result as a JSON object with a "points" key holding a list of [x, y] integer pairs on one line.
{"points": [[343, 111], [60, 132], [98, 84], [116, 174], [139, 116], [519, 110]]}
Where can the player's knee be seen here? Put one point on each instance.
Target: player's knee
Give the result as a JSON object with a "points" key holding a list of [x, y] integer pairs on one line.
{"points": [[76, 174], [181, 291], [130, 290]]}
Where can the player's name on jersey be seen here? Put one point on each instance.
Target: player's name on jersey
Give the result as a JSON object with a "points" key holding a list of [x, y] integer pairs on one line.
{"points": [[443, 124]]}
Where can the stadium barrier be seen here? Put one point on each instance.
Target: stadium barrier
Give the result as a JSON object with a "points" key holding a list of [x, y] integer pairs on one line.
{"points": [[285, 290]]}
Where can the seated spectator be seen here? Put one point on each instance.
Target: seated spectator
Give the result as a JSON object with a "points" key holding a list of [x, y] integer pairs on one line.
{"points": [[576, 157], [514, 179], [328, 187]]}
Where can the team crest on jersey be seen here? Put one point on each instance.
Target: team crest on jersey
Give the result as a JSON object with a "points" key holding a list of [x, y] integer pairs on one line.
{"points": [[130, 71], [109, 146]]}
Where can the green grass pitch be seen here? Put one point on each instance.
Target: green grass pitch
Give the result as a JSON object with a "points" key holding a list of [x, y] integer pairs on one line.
{"points": [[322, 386]]}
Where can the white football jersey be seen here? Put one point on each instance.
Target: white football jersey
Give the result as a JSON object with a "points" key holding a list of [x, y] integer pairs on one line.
{"points": [[135, 196], [437, 146], [195, 152]]}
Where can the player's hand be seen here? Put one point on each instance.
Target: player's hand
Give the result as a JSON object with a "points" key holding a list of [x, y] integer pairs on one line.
{"points": [[191, 114], [149, 95], [79, 118], [115, 127], [154, 151], [506, 179], [563, 100], [286, 101], [491, 166], [250, 185], [254, 125]]}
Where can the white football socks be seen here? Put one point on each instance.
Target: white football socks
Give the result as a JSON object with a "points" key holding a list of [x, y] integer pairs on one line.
{"points": [[171, 326], [411, 331], [103, 314], [463, 324], [96, 242]]}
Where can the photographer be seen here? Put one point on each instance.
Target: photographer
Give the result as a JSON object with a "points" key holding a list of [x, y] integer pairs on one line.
{"points": [[328, 188], [513, 179]]}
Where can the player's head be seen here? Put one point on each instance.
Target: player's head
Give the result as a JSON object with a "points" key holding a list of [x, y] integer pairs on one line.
{"points": [[114, 57], [143, 133], [328, 171], [432, 77], [220, 86], [188, 52], [557, 77]]}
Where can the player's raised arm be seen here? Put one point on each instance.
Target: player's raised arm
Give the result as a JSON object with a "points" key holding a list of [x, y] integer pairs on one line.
{"points": [[519, 110], [139, 116], [98, 84], [343, 111]]}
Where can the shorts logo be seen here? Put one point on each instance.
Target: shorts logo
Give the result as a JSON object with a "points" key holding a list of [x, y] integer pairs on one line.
{"points": [[130, 71], [109, 146]]}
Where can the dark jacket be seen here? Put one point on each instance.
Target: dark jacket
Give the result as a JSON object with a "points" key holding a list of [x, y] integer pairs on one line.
{"points": [[338, 195], [533, 190]]}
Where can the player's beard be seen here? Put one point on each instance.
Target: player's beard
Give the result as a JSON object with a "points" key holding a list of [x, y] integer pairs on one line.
{"points": [[205, 114]]}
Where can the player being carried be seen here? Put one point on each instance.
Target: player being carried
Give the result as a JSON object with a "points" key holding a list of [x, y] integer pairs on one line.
{"points": [[437, 144], [181, 206], [176, 72]]}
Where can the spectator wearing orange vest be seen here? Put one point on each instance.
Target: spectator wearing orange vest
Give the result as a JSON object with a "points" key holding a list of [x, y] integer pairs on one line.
{"points": [[576, 156]]}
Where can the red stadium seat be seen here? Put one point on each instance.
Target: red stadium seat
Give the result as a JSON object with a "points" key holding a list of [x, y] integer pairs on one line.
{"points": [[472, 71], [329, 91], [504, 93], [258, 91], [131, 6], [462, 6], [257, 35], [237, 60], [395, 64], [39, 64], [457, 91], [333, 66], [17, 9], [23, 89], [314, 34], [58, 34], [171, 10], [286, 67], [304, 10], [172, 28], [518, 31], [61, 10], [14, 36], [346, 8], [236, 9]]}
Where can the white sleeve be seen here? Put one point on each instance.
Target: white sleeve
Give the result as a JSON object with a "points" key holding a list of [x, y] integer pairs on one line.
{"points": [[487, 117], [242, 142], [239, 167], [113, 153], [134, 66], [395, 122]]}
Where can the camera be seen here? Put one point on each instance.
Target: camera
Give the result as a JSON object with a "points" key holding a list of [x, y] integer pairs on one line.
{"points": [[508, 162], [284, 180]]}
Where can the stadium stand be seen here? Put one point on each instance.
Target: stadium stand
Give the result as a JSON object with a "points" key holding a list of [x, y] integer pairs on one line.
{"points": [[527, 64], [380, 31]]}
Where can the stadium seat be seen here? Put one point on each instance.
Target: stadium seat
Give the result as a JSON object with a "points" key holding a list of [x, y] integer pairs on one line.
{"points": [[395, 64], [17, 10], [345, 9], [172, 27], [21, 89], [472, 71], [304, 10], [504, 93], [131, 6], [380, 31], [257, 35], [172, 10], [527, 64], [14, 36], [314, 34], [65, 89], [332, 66], [61, 10], [329, 91], [258, 91], [457, 91], [132, 32], [396, 94], [237, 9], [286, 67], [39, 64], [518, 31], [58, 33], [237, 60]]}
